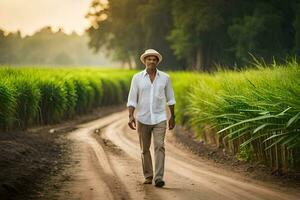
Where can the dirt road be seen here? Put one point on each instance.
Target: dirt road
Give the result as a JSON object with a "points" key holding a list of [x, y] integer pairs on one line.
{"points": [[109, 167]]}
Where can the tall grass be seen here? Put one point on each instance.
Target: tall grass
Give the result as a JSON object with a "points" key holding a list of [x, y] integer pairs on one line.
{"points": [[31, 96], [254, 112], [7, 103], [27, 98]]}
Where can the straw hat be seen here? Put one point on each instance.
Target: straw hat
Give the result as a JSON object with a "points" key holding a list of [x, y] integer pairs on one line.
{"points": [[150, 52]]}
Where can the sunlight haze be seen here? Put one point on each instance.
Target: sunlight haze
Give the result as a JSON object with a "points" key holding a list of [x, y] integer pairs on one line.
{"points": [[31, 15]]}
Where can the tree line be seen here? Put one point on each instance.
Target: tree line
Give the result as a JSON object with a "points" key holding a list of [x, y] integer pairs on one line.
{"points": [[199, 34], [46, 47]]}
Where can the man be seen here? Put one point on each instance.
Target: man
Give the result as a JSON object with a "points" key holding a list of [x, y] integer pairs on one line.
{"points": [[150, 90]]}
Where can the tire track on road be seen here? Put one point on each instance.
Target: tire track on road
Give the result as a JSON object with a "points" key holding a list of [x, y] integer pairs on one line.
{"points": [[218, 183]]}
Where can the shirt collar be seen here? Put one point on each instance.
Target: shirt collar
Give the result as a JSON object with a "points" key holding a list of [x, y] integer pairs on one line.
{"points": [[145, 72]]}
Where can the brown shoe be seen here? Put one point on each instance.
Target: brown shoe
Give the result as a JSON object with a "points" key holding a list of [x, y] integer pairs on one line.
{"points": [[148, 180]]}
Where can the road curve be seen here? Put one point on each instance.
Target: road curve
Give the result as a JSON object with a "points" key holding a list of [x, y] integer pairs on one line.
{"points": [[109, 167]]}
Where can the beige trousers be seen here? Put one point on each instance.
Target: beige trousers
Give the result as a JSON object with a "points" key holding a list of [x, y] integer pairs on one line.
{"points": [[145, 132]]}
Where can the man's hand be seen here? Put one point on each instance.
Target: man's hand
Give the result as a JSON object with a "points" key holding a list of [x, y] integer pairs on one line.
{"points": [[132, 123], [171, 122]]}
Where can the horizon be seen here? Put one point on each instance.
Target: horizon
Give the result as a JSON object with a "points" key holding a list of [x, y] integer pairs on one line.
{"points": [[69, 16]]}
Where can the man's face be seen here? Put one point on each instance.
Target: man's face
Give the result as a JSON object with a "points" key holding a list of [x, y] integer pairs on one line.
{"points": [[151, 62]]}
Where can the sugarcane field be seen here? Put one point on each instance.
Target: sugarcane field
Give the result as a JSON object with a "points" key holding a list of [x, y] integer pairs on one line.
{"points": [[111, 99]]}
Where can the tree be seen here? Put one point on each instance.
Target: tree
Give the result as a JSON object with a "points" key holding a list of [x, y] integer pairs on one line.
{"points": [[261, 34], [128, 27], [116, 27], [46, 47], [199, 31], [296, 25]]}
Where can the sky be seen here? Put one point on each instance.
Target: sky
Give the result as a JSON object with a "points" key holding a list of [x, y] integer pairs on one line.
{"points": [[29, 16]]}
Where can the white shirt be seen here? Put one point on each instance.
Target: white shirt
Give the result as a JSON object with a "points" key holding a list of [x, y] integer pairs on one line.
{"points": [[149, 98]]}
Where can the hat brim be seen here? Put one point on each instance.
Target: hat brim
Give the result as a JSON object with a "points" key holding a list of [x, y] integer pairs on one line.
{"points": [[143, 56]]}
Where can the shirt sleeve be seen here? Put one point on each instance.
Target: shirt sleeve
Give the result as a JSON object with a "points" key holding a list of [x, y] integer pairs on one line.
{"points": [[170, 93], [133, 93]]}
